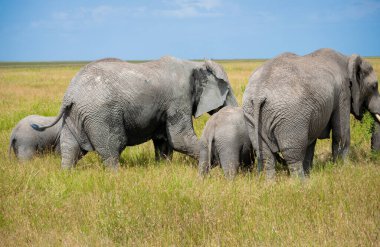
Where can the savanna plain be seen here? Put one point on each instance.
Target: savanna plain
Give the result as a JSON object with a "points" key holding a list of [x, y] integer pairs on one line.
{"points": [[165, 203]]}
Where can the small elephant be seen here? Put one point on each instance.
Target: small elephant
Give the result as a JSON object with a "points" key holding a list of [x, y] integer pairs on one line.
{"points": [[225, 141], [27, 142], [375, 140], [291, 101], [112, 104]]}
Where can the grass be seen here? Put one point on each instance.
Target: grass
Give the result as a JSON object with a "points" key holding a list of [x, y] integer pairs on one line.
{"points": [[160, 204]]}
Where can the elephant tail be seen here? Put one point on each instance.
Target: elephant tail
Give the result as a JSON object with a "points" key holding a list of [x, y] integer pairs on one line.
{"points": [[207, 167], [206, 159], [11, 146], [257, 111], [63, 110], [255, 121], [209, 149]]}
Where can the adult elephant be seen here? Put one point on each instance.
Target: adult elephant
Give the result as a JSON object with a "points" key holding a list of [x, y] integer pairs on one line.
{"points": [[292, 100], [112, 104]]}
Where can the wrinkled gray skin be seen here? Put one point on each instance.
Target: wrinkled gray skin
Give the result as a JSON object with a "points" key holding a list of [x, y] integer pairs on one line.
{"points": [[225, 141], [27, 142], [111, 104], [375, 140], [292, 100]]}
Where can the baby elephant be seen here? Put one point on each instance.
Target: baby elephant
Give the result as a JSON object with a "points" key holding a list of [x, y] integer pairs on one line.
{"points": [[26, 142], [225, 141]]}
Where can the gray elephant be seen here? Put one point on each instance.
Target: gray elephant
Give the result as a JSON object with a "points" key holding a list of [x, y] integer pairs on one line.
{"points": [[225, 141], [161, 146], [113, 104], [27, 142], [292, 100], [375, 140]]}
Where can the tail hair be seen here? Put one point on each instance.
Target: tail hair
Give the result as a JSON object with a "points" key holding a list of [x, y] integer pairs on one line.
{"points": [[11, 146]]}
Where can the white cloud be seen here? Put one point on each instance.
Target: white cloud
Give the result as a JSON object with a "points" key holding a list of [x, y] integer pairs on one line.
{"points": [[203, 4], [84, 17], [192, 8], [75, 19]]}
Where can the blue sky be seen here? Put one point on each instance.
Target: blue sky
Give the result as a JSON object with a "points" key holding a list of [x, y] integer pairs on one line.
{"points": [[53, 30]]}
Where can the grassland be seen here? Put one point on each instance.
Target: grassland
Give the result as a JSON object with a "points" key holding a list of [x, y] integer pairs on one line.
{"points": [[159, 204]]}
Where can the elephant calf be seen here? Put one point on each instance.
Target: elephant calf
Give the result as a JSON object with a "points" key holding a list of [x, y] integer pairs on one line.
{"points": [[225, 141], [26, 142]]}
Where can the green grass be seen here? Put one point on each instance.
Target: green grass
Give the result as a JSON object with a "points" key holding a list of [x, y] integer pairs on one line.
{"points": [[148, 203]]}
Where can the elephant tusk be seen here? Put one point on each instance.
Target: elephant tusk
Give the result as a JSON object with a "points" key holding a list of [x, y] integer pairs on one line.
{"points": [[378, 117]]}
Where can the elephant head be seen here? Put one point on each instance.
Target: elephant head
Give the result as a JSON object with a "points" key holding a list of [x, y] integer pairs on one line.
{"points": [[212, 89], [364, 88]]}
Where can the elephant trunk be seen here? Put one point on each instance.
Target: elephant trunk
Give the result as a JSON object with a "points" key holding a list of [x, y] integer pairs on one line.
{"points": [[230, 99], [375, 140], [374, 108]]}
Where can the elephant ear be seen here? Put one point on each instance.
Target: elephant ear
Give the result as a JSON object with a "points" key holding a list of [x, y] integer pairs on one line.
{"points": [[214, 87], [354, 69], [217, 70]]}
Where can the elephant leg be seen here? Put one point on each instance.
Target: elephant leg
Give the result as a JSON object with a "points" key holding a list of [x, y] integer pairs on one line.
{"points": [[162, 149], [266, 161], [296, 170], [294, 157], [25, 153], [293, 145], [229, 160], [110, 149], [340, 133], [181, 135], [246, 159], [204, 160], [70, 149], [308, 160], [269, 163], [340, 147]]}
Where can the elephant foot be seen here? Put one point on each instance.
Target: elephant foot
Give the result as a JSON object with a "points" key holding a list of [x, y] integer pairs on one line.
{"points": [[230, 169], [66, 167], [296, 170], [112, 164], [67, 164], [159, 158], [203, 173], [230, 175], [270, 174]]}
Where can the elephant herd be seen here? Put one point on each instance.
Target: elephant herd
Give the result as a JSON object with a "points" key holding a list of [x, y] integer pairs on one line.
{"points": [[290, 102]]}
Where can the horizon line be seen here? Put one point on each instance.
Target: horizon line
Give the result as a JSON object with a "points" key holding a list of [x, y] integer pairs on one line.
{"points": [[140, 60]]}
